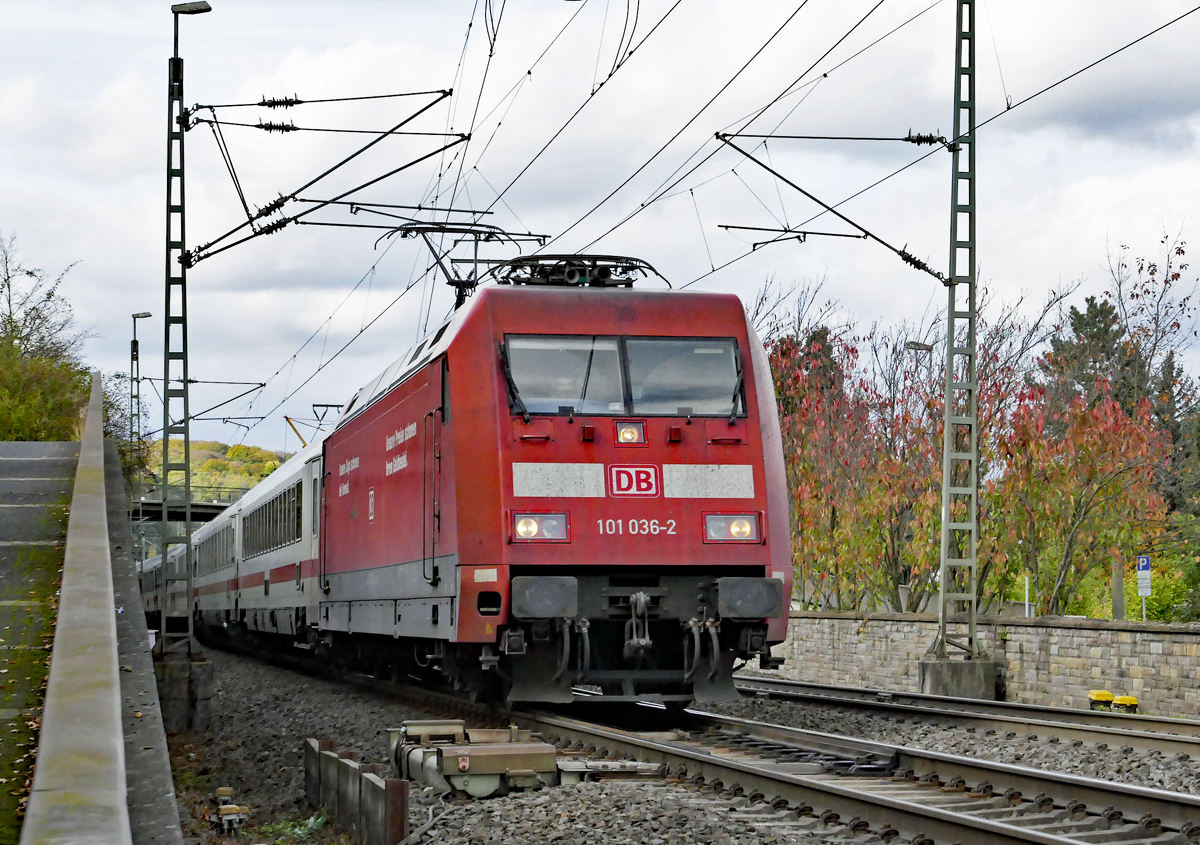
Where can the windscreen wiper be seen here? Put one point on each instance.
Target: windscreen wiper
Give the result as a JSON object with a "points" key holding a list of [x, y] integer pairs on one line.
{"points": [[587, 374], [514, 395], [737, 389]]}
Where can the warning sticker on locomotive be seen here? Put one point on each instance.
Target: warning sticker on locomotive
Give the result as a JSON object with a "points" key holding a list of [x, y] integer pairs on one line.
{"points": [[634, 480], [402, 435]]}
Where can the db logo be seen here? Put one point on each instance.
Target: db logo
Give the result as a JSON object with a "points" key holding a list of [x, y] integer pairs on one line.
{"points": [[633, 480]]}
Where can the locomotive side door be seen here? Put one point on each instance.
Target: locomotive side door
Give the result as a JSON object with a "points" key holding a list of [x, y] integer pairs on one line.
{"points": [[431, 472]]}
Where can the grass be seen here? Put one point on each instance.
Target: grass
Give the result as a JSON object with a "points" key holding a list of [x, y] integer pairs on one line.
{"points": [[36, 577], [294, 831]]}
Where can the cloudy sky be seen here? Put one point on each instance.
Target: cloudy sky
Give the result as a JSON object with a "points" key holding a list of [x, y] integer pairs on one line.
{"points": [[1106, 159]]}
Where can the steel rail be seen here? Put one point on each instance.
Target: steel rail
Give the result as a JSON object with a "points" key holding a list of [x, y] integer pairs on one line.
{"points": [[1176, 810], [845, 797], [1140, 732]]}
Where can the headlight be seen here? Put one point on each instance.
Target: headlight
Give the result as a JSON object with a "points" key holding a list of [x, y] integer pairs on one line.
{"points": [[539, 527], [731, 528], [631, 433]]}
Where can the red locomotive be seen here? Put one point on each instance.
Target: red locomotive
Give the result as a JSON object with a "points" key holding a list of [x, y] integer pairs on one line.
{"points": [[570, 488]]}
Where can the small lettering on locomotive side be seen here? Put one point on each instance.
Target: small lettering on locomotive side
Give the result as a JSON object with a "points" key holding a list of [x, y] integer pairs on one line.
{"points": [[402, 435], [348, 466], [395, 464], [485, 576], [344, 488]]}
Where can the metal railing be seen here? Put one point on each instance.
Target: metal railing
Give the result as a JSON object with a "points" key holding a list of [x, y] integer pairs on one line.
{"points": [[200, 493]]}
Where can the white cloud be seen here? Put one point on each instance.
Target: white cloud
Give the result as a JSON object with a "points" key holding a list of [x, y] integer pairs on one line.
{"points": [[1107, 157]]}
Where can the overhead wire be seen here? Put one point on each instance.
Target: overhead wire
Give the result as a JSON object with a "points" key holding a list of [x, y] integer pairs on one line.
{"points": [[502, 201], [520, 83], [660, 193], [705, 107], [619, 56], [270, 208], [335, 355], [996, 52], [582, 106], [328, 321], [696, 206], [778, 193], [690, 121], [600, 43], [902, 252], [291, 127], [223, 149], [492, 26], [499, 195], [766, 207], [326, 325], [978, 126], [492, 21], [289, 102], [435, 180]]}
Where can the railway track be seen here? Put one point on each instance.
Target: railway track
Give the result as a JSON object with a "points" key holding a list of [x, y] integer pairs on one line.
{"points": [[803, 781], [788, 781], [1140, 732]]}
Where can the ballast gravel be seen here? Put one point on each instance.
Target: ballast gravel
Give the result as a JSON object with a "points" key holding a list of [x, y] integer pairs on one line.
{"points": [[263, 713], [1114, 763], [634, 813]]}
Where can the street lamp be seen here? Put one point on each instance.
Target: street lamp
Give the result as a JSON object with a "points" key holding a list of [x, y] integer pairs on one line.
{"points": [[186, 9], [917, 346], [135, 383]]}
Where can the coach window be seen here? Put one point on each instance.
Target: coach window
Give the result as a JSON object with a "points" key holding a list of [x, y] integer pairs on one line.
{"points": [[684, 377], [555, 372]]}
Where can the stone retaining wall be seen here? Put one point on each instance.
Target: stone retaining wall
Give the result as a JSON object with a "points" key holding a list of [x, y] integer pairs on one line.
{"points": [[1048, 660]]}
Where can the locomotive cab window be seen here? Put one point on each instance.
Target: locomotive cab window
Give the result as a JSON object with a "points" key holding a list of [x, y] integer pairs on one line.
{"points": [[553, 372], [683, 377], [621, 376]]}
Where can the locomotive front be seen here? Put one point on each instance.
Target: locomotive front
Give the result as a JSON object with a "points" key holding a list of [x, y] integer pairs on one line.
{"points": [[641, 543]]}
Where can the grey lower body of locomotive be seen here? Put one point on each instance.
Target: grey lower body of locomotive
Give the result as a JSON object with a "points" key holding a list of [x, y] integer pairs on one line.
{"points": [[635, 637]]}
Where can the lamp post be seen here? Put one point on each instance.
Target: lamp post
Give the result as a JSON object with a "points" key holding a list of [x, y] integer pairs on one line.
{"points": [[135, 382], [177, 618], [135, 433]]}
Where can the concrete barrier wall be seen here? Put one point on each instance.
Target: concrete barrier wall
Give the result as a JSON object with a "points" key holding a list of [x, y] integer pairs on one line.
{"points": [[372, 810], [1049, 660], [79, 787]]}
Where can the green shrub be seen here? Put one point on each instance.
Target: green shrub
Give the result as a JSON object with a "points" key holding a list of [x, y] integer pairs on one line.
{"points": [[40, 398]]}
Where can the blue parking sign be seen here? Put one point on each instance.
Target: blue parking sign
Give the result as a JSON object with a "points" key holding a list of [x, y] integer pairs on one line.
{"points": [[1143, 576]]}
